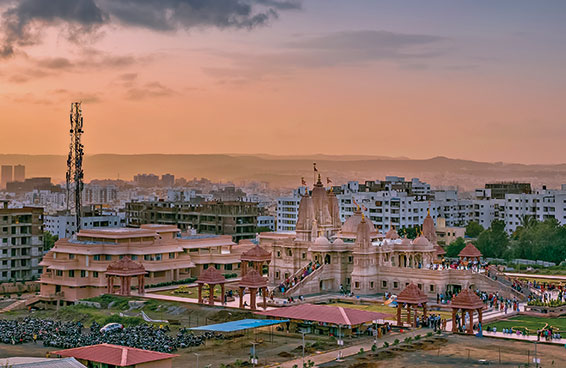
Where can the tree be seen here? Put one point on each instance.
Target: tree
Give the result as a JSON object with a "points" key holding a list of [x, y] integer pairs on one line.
{"points": [[474, 229], [544, 241], [494, 242], [410, 232], [49, 240], [455, 247]]}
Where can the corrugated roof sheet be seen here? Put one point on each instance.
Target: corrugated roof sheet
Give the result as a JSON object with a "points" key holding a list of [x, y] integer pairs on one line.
{"points": [[243, 324], [326, 314], [121, 356]]}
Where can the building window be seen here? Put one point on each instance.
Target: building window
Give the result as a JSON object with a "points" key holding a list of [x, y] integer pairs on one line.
{"points": [[72, 273], [420, 286], [107, 257], [134, 257], [278, 254], [228, 267], [158, 257], [97, 257], [431, 288], [395, 285], [383, 284], [304, 256], [357, 284], [205, 266], [171, 255], [146, 257], [371, 285], [58, 273], [277, 275], [83, 273], [217, 266], [95, 274], [289, 252], [350, 259]]}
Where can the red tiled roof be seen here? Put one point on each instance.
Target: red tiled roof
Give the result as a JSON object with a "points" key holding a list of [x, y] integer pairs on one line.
{"points": [[470, 251], [326, 313], [253, 279], [412, 294], [257, 253], [439, 250], [211, 276], [121, 356], [467, 299], [125, 267]]}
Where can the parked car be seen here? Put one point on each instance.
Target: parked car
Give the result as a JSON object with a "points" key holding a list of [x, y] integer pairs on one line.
{"points": [[111, 327]]}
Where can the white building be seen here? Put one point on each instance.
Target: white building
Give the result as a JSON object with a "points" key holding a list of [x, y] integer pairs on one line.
{"points": [[64, 225], [541, 205], [266, 221]]}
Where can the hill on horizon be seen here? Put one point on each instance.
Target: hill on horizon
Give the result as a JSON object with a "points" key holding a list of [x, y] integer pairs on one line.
{"points": [[286, 171]]}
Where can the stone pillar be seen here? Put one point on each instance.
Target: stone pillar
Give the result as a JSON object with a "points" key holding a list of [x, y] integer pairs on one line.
{"points": [[480, 315], [424, 310], [109, 285], [399, 307], [471, 322], [211, 294], [409, 314], [264, 294], [241, 292], [454, 328], [253, 294], [143, 284], [127, 284], [223, 294], [244, 268], [199, 293]]}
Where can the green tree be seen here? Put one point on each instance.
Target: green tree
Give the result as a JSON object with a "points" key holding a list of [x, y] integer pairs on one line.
{"points": [[410, 232], [49, 240], [544, 241], [494, 242], [474, 229], [455, 247]]}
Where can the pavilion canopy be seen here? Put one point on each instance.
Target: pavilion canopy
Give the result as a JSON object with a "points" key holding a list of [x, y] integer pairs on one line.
{"points": [[326, 314], [243, 324]]}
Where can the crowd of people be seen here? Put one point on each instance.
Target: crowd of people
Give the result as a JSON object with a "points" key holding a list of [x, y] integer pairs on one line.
{"points": [[458, 265], [304, 272], [66, 335]]}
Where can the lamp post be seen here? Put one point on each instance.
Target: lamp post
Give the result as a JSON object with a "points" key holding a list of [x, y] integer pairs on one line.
{"points": [[254, 359], [375, 333], [303, 333], [340, 342], [197, 354]]}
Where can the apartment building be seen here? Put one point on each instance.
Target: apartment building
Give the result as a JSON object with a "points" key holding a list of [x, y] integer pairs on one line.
{"points": [[21, 242], [238, 219]]}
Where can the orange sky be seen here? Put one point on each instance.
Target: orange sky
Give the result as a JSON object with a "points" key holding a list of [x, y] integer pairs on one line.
{"points": [[363, 78]]}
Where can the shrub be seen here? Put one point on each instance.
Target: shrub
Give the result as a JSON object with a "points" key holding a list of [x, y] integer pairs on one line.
{"points": [[408, 340], [374, 347], [361, 351], [429, 334], [418, 337], [396, 342], [385, 344]]}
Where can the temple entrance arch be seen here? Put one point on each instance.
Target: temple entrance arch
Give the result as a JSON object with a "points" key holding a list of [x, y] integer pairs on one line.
{"points": [[327, 259]]}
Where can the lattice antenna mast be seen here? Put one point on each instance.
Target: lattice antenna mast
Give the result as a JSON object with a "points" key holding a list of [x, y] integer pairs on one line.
{"points": [[75, 173]]}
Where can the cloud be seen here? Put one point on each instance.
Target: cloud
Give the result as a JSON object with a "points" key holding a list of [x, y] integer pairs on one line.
{"points": [[24, 20], [348, 48], [149, 90]]}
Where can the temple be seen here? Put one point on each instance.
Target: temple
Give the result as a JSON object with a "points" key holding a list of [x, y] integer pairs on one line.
{"points": [[325, 256]]}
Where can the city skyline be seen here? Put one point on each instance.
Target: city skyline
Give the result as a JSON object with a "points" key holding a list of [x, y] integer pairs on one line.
{"points": [[476, 80]]}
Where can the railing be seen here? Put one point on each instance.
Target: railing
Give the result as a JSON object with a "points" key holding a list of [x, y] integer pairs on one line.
{"points": [[305, 279]]}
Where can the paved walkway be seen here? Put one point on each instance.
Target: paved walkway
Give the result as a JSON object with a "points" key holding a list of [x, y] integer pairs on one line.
{"points": [[535, 276], [179, 299], [529, 338], [350, 350]]}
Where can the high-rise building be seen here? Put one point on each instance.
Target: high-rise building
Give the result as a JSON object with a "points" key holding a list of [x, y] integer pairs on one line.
{"points": [[168, 180], [5, 175], [21, 242], [19, 173]]}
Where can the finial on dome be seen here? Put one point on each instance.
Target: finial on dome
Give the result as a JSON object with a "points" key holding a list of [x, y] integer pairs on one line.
{"points": [[319, 181]]}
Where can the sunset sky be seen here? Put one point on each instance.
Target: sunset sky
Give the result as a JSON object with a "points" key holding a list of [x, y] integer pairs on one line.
{"points": [[476, 79]]}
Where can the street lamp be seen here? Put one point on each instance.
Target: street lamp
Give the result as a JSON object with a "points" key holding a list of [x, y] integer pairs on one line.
{"points": [[375, 333], [340, 342], [254, 359], [303, 333], [197, 354]]}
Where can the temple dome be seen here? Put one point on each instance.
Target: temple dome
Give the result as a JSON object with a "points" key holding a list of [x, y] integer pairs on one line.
{"points": [[392, 234], [421, 241], [321, 240], [351, 224], [338, 242]]}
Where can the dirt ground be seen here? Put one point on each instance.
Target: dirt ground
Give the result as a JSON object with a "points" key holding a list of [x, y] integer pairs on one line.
{"points": [[459, 351]]}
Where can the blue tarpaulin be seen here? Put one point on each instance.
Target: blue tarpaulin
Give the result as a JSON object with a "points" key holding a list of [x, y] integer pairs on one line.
{"points": [[243, 324]]}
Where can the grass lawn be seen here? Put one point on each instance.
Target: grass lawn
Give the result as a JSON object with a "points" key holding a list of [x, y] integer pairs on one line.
{"points": [[530, 322], [385, 309], [190, 292]]}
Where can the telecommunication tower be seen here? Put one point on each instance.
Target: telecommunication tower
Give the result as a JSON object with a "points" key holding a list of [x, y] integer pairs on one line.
{"points": [[75, 173]]}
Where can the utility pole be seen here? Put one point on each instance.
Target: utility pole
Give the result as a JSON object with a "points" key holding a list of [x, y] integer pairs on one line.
{"points": [[75, 174], [197, 354], [254, 359]]}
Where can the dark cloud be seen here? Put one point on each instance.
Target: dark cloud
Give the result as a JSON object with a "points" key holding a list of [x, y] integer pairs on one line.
{"points": [[348, 48], [23, 20]]}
